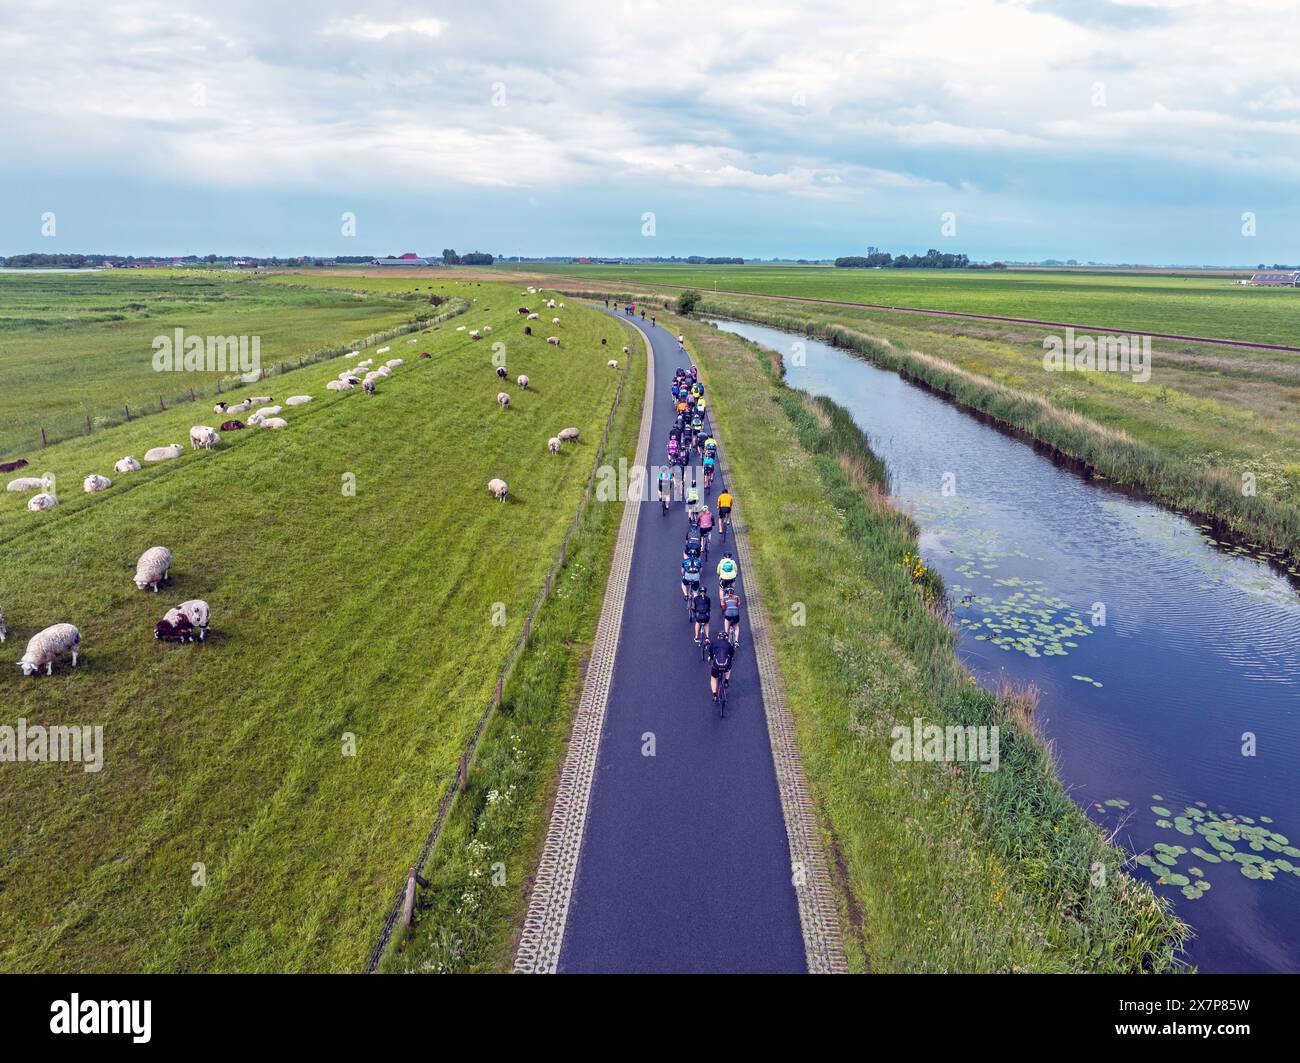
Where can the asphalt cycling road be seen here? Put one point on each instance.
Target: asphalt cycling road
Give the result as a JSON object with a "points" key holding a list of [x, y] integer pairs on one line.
{"points": [[685, 864]]}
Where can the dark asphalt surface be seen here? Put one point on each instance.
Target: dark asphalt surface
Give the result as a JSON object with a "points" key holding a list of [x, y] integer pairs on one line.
{"points": [[685, 865]]}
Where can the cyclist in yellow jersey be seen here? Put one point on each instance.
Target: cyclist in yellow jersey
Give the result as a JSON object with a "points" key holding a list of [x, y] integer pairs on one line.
{"points": [[725, 502]]}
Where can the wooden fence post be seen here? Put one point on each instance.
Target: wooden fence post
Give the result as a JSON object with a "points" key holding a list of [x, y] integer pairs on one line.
{"points": [[161, 405], [127, 411], [87, 424], [42, 437]]}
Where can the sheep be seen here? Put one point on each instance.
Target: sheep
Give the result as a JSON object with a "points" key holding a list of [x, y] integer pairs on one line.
{"points": [[555, 321], [625, 351], [522, 381], [260, 400], [460, 328], [503, 399], [45, 646], [528, 330], [425, 354], [553, 444], [256, 418], [382, 350], [383, 371], [340, 385], [498, 489], [523, 310], [13, 466], [550, 304], [561, 306], [368, 387], [501, 372], [172, 450], [554, 341], [153, 567], [197, 612], [28, 483], [219, 408], [613, 364], [40, 502], [366, 363], [534, 317], [297, 400], [568, 434], [3, 630], [93, 484], [346, 373], [474, 334], [393, 363], [240, 407], [181, 621], [275, 422], [202, 435], [129, 464], [232, 426], [487, 328], [270, 411], [603, 341]]}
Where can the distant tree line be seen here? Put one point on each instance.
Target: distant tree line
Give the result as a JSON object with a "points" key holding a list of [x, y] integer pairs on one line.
{"points": [[932, 259], [474, 258]]}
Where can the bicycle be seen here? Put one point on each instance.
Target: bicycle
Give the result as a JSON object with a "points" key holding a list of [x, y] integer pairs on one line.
{"points": [[722, 527], [731, 631], [720, 698], [702, 640]]}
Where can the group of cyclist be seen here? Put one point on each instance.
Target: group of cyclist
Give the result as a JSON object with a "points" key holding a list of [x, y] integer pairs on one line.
{"points": [[690, 435]]}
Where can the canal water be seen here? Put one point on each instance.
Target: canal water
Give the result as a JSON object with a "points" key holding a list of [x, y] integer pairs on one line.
{"points": [[1168, 663]]}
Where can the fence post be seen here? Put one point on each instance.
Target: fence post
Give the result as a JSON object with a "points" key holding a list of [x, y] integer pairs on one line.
{"points": [[87, 424], [408, 906], [462, 772], [42, 437], [191, 394], [161, 405], [127, 411]]}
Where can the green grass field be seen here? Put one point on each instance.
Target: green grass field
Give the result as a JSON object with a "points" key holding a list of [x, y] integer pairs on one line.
{"points": [[83, 343], [369, 614], [1189, 306]]}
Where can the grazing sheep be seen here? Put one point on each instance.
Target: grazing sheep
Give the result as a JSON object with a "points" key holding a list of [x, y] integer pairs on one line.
{"points": [[3, 631], [368, 387], [28, 483], [550, 304], [501, 372], [554, 341], [172, 450], [561, 306], [232, 426], [613, 364], [425, 354], [153, 567], [553, 444], [503, 399], [13, 466], [93, 484], [45, 646], [219, 408], [625, 350], [498, 489], [555, 321], [40, 502], [567, 434], [487, 328], [297, 400], [523, 310], [275, 422], [474, 334], [175, 626], [522, 381], [393, 363], [534, 317], [129, 464], [203, 436], [528, 330]]}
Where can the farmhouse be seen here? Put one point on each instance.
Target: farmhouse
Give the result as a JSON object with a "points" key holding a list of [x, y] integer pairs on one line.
{"points": [[408, 259], [1290, 279]]}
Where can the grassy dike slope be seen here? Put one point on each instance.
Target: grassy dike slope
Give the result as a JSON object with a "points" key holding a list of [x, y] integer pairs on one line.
{"points": [[943, 868], [369, 614]]}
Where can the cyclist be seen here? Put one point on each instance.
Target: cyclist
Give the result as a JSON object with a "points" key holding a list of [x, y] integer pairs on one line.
{"points": [[709, 462], [728, 570], [731, 615], [704, 521], [710, 446], [692, 502], [675, 432], [701, 405], [694, 372], [683, 408], [701, 604], [665, 484], [693, 544], [721, 655], [697, 424], [690, 576], [725, 502], [672, 450]]}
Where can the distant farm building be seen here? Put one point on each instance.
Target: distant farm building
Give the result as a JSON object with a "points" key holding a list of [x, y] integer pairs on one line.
{"points": [[408, 259], [1290, 279]]}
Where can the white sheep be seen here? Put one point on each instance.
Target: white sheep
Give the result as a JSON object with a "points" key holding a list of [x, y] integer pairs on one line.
{"points": [[383, 350], [383, 371], [339, 385], [550, 304], [553, 444], [555, 321], [347, 373], [366, 363], [275, 422], [393, 363], [474, 334], [27, 483], [498, 489], [567, 434], [270, 411], [45, 646], [261, 400], [625, 350], [219, 408], [202, 435], [93, 484], [534, 317], [522, 381], [127, 464], [460, 328], [196, 611], [613, 364], [240, 407], [256, 418], [554, 341], [503, 399], [297, 400], [40, 502], [172, 450], [153, 567], [487, 328]]}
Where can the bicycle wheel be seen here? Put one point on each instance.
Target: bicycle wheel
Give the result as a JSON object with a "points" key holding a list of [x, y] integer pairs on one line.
{"points": [[704, 648], [723, 684]]}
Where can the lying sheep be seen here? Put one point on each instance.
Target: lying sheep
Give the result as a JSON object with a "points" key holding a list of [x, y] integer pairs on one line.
{"points": [[503, 399], [297, 400], [383, 371], [625, 351], [487, 328], [240, 407], [14, 466], [522, 381], [523, 310], [256, 418], [172, 450], [181, 621], [366, 363], [534, 317], [270, 411], [460, 328], [501, 372], [425, 354], [567, 434], [232, 426], [381, 350], [613, 364], [368, 387], [28, 483], [40, 502], [45, 646], [498, 489], [275, 422], [340, 385], [393, 363], [554, 341], [261, 400], [219, 408], [93, 484], [129, 464], [153, 567], [553, 444], [202, 435]]}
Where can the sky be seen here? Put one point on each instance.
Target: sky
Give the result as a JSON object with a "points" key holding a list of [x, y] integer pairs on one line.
{"points": [[1164, 131]]}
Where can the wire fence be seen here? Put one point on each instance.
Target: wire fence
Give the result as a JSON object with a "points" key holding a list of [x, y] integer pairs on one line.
{"points": [[403, 903]]}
